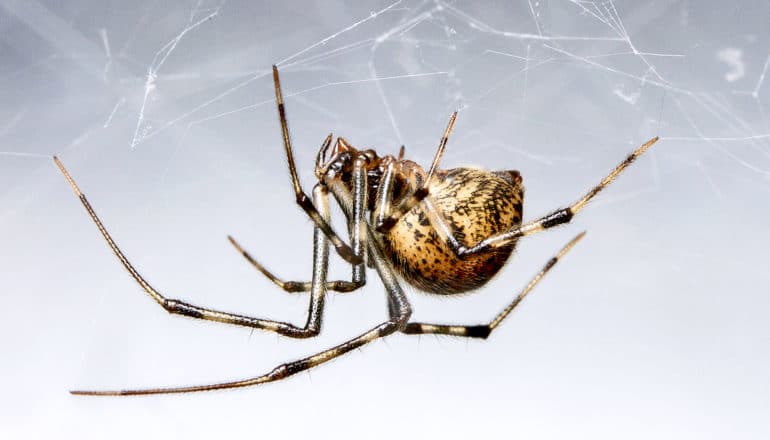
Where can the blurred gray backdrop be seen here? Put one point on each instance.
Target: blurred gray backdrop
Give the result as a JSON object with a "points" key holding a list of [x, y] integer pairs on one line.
{"points": [[655, 326]]}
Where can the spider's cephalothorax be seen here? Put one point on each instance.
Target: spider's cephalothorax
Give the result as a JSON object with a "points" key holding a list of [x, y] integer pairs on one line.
{"points": [[475, 204], [443, 231]]}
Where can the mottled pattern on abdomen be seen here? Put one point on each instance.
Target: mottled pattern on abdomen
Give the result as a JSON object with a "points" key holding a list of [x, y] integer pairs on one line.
{"points": [[475, 204]]}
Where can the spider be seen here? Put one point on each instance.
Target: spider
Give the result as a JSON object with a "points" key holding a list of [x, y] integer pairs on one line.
{"points": [[442, 231]]}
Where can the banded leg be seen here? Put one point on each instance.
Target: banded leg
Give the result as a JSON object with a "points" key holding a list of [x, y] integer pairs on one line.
{"points": [[386, 223], [174, 306], [354, 206], [399, 316], [556, 218], [483, 330], [301, 198], [340, 286]]}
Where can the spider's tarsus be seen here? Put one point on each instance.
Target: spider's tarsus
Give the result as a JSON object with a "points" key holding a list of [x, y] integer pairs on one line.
{"points": [[646, 146], [67, 176], [277, 84], [240, 249], [442, 146], [571, 244], [234, 243], [95, 393], [117, 393], [254, 262]]}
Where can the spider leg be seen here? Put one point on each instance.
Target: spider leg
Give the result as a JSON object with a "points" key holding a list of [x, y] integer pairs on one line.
{"points": [[384, 195], [386, 223], [340, 286], [556, 218], [483, 330], [302, 199], [174, 306], [354, 206], [400, 311]]}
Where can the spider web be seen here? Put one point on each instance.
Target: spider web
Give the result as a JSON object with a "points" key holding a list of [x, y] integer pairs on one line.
{"points": [[165, 113]]}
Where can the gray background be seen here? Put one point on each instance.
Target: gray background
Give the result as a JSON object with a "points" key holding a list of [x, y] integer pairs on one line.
{"points": [[655, 326]]}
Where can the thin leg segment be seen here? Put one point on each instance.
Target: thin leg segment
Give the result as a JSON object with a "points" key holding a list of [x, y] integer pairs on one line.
{"points": [[318, 285], [399, 316], [359, 227], [355, 207], [294, 286], [281, 372], [301, 198], [483, 330], [421, 193]]}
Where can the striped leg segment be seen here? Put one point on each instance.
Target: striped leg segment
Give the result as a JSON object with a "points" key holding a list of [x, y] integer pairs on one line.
{"points": [[280, 372], [399, 316], [483, 330], [318, 285], [556, 218], [560, 216]]}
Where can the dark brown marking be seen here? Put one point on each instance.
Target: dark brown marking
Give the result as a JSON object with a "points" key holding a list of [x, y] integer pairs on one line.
{"points": [[478, 331], [296, 367], [550, 264], [174, 306], [556, 218]]}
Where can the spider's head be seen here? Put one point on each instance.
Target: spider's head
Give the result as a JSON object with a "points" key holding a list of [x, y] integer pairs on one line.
{"points": [[335, 160]]}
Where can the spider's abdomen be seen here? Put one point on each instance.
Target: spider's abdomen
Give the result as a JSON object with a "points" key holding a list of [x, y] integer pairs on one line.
{"points": [[476, 204]]}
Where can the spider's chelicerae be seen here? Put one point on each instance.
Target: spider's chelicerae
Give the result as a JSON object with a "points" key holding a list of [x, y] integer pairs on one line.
{"points": [[442, 231]]}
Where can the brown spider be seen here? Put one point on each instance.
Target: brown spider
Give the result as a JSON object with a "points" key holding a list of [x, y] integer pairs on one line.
{"points": [[444, 232]]}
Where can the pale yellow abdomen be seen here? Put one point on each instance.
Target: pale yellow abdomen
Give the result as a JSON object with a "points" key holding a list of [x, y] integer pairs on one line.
{"points": [[476, 204]]}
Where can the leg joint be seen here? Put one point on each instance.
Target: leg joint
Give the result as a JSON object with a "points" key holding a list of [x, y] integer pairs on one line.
{"points": [[304, 201], [557, 218], [478, 331], [310, 331], [181, 308]]}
